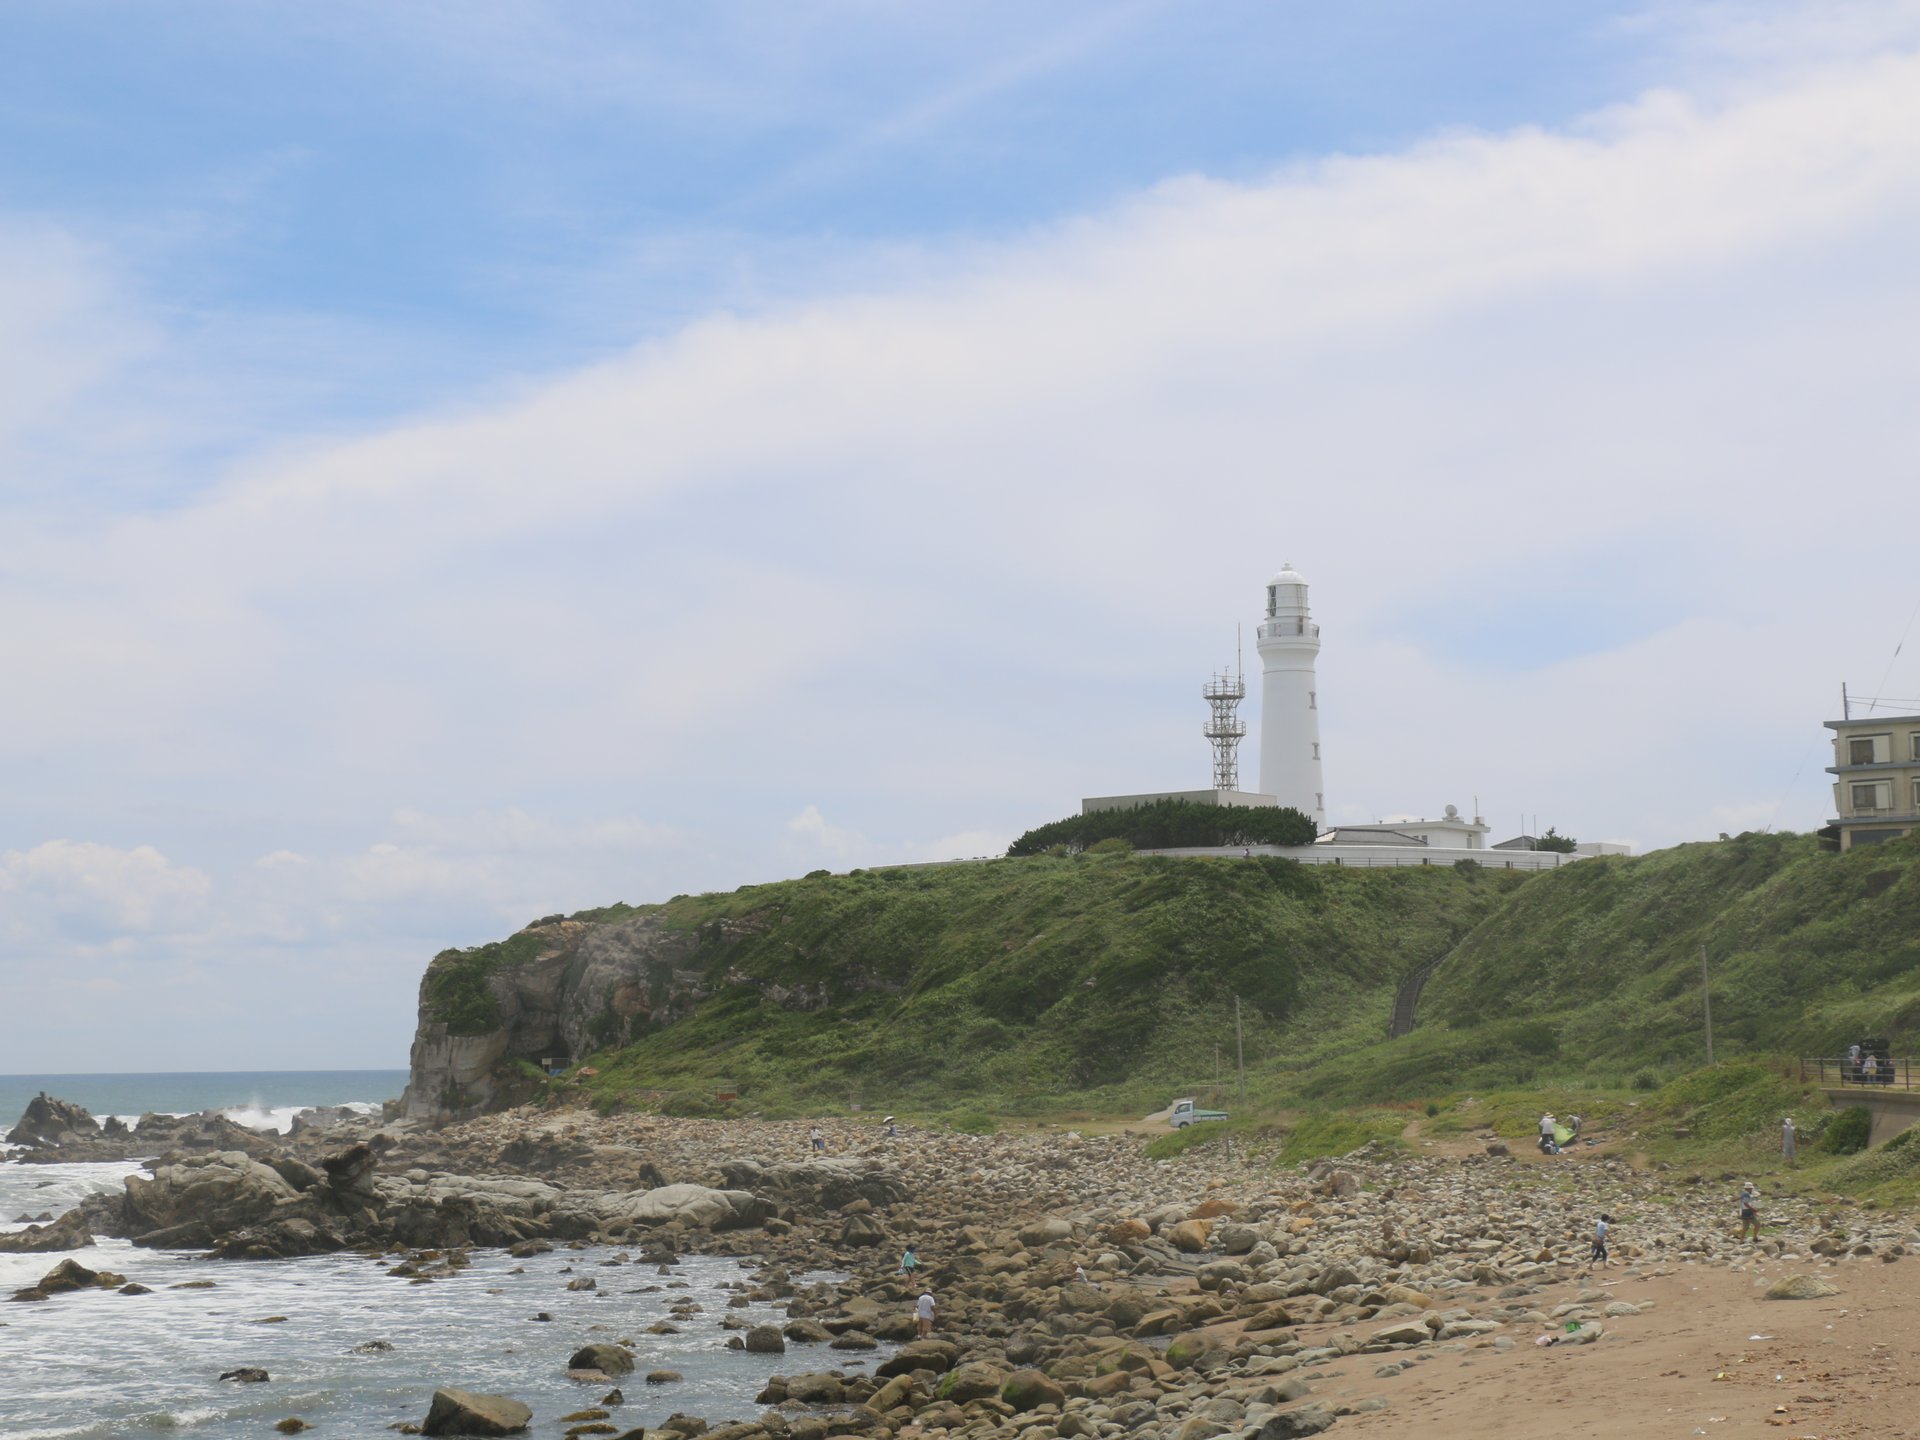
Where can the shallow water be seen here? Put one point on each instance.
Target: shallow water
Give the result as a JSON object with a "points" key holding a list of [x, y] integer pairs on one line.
{"points": [[101, 1364]]}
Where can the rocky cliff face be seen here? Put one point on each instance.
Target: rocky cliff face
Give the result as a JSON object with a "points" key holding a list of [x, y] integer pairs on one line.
{"points": [[559, 989]]}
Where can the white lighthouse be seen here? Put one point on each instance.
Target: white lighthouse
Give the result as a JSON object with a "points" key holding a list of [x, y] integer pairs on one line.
{"points": [[1290, 699]]}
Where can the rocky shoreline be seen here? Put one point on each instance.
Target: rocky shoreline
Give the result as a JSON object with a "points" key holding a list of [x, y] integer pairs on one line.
{"points": [[1083, 1290]]}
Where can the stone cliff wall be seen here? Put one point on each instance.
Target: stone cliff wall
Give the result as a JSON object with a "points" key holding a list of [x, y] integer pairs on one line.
{"points": [[587, 986]]}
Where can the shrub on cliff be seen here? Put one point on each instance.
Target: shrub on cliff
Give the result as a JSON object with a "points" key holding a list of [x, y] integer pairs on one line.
{"points": [[456, 992], [1168, 825]]}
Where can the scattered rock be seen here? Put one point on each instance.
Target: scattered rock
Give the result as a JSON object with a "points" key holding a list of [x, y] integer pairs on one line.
{"points": [[1801, 1287], [460, 1412]]}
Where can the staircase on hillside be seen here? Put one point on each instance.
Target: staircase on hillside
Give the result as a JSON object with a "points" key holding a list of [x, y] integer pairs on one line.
{"points": [[1406, 1001]]}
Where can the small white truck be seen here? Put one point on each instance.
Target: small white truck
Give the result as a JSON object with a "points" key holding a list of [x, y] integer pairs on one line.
{"points": [[1184, 1114]]}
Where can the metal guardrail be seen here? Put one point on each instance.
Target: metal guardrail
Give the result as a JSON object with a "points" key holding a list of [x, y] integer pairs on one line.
{"points": [[1843, 1072]]}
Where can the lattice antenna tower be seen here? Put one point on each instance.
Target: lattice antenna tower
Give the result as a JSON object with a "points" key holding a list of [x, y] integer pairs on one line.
{"points": [[1225, 729]]}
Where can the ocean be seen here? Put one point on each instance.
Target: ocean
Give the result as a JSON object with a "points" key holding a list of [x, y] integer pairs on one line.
{"points": [[264, 1099], [349, 1348]]}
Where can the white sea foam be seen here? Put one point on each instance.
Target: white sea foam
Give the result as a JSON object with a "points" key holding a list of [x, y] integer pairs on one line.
{"points": [[256, 1116]]}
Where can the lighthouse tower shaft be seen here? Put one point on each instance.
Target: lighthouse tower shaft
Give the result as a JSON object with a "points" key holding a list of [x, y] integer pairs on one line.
{"points": [[1288, 643]]}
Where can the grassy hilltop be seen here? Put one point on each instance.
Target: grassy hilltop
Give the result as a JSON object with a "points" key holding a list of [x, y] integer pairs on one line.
{"points": [[1106, 982], [1023, 985]]}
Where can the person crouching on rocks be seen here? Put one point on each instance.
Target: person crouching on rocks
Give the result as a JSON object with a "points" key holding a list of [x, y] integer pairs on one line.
{"points": [[923, 1315], [1749, 1212]]}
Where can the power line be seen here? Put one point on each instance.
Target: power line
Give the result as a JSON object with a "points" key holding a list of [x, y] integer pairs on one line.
{"points": [[1898, 648]]}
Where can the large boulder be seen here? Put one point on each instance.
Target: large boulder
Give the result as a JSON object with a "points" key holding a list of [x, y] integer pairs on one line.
{"points": [[1030, 1389], [1190, 1236], [829, 1182], [350, 1173], [818, 1387], [48, 1121], [461, 1412], [214, 1193], [765, 1340], [929, 1354], [1292, 1424], [975, 1380], [694, 1205], [1048, 1230], [609, 1360], [70, 1275], [69, 1232]]}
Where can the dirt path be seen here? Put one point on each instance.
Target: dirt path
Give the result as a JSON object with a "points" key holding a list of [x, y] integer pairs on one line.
{"points": [[1829, 1368]]}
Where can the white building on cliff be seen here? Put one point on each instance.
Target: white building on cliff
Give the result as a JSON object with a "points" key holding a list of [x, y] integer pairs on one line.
{"points": [[1288, 642]]}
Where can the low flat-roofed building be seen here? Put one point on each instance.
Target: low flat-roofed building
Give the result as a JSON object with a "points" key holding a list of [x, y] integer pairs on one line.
{"points": [[1368, 835], [1876, 770]]}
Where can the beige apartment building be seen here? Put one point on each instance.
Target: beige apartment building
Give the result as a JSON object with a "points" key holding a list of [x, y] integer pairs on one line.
{"points": [[1876, 791]]}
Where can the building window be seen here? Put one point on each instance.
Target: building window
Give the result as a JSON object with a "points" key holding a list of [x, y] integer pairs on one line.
{"points": [[1869, 749], [1313, 699], [1316, 749], [1872, 795], [1319, 801], [1915, 738], [1916, 797]]}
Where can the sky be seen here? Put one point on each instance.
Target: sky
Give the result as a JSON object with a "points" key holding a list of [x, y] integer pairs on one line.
{"points": [[460, 463]]}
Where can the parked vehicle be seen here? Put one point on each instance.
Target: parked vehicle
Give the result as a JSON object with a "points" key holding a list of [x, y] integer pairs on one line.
{"points": [[1184, 1114]]}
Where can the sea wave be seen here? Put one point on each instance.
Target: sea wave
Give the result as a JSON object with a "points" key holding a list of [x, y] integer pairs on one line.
{"points": [[255, 1116]]}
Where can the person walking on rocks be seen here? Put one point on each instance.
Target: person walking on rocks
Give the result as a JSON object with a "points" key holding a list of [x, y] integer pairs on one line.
{"points": [[819, 1141], [1599, 1255], [1789, 1142], [923, 1315], [909, 1262], [1749, 1212]]}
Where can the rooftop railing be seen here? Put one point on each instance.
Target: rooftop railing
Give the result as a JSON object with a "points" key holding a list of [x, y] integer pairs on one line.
{"points": [[1843, 1072]]}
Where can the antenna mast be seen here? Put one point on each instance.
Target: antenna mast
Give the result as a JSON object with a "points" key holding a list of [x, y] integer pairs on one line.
{"points": [[1225, 729]]}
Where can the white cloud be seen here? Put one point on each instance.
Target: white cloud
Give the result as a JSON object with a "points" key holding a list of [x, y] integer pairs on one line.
{"points": [[97, 893], [515, 829], [1592, 441], [812, 830]]}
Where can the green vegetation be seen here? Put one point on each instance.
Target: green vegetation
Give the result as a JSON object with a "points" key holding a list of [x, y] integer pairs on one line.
{"points": [[1104, 983], [1847, 1135], [1340, 1131], [1555, 841], [1167, 825], [455, 988], [1022, 986], [1807, 951]]}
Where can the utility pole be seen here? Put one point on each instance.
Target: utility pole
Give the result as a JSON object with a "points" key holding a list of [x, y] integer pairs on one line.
{"points": [[1239, 1056], [1216, 1074], [1706, 1001]]}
